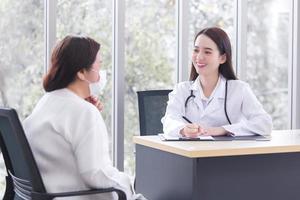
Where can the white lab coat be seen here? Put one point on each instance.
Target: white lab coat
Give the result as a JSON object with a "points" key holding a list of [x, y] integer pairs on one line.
{"points": [[244, 110]]}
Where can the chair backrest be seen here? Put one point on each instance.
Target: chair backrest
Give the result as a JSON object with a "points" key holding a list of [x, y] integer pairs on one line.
{"points": [[18, 157], [152, 107]]}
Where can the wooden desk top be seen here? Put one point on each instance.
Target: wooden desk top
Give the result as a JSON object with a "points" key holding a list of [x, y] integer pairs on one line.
{"points": [[283, 141]]}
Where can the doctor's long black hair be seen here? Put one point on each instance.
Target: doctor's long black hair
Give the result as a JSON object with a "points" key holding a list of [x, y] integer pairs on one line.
{"points": [[223, 43]]}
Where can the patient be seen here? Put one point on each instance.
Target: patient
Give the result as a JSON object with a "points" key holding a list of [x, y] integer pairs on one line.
{"points": [[66, 131]]}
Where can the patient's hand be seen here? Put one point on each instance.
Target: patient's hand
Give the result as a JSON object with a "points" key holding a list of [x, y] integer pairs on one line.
{"points": [[96, 102]]}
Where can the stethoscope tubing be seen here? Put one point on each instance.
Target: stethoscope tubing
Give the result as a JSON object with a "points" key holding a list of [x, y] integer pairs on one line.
{"points": [[225, 101]]}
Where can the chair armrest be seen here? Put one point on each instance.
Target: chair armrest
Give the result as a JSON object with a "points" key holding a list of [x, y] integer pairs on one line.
{"points": [[9, 191], [50, 196]]}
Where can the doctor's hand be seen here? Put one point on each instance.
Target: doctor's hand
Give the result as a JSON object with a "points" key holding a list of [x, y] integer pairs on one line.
{"points": [[96, 102], [192, 130], [215, 131]]}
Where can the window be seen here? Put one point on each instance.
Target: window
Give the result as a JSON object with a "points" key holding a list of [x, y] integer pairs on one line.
{"points": [[268, 56], [94, 19], [22, 58], [208, 13], [150, 50]]}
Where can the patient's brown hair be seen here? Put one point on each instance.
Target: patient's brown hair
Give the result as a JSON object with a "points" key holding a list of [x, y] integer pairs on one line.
{"points": [[69, 56]]}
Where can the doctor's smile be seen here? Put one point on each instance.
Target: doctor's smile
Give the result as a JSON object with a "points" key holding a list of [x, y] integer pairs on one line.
{"points": [[201, 65]]}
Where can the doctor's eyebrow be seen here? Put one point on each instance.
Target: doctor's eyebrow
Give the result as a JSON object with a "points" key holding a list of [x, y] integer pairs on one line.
{"points": [[206, 48]]}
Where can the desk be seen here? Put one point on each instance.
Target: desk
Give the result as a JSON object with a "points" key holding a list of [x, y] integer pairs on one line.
{"points": [[231, 170]]}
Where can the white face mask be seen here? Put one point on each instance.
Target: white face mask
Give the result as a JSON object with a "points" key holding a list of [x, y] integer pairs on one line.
{"points": [[96, 88]]}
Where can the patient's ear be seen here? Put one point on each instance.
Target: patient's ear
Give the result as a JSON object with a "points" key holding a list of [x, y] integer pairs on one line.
{"points": [[80, 75]]}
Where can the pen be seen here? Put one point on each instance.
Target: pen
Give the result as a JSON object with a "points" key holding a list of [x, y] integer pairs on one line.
{"points": [[186, 119]]}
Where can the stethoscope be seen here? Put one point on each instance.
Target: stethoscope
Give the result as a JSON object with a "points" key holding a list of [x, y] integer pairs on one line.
{"points": [[225, 102]]}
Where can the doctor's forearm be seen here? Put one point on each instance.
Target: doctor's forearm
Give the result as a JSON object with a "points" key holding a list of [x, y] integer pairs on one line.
{"points": [[215, 131]]}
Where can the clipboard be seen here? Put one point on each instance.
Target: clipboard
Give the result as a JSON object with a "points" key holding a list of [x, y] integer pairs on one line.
{"points": [[164, 137]]}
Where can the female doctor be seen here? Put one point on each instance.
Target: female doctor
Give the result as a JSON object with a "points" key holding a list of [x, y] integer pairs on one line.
{"points": [[214, 102]]}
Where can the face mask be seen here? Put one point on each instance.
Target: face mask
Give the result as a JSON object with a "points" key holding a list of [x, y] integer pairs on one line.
{"points": [[96, 88]]}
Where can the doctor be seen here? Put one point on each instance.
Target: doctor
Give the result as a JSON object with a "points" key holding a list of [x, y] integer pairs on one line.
{"points": [[214, 102]]}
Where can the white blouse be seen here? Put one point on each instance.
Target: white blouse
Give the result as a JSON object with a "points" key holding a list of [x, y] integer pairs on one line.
{"points": [[69, 141]]}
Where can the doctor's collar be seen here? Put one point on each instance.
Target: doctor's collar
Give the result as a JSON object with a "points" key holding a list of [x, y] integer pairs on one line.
{"points": [[195, 84], [218, 92]]}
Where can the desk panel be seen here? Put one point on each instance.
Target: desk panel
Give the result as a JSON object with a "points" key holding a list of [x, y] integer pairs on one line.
{"points": [[162, 175], [159, 174]]}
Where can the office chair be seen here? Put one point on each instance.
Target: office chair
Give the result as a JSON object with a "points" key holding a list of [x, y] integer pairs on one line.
{"points": [[152, 107], [23, 179]]}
